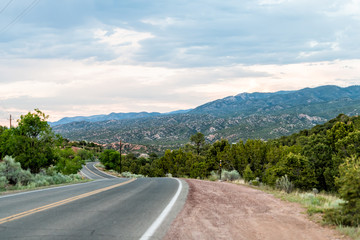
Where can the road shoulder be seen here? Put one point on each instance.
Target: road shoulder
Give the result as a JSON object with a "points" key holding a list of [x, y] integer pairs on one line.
{"points": [[220, 210], [179, 205]]}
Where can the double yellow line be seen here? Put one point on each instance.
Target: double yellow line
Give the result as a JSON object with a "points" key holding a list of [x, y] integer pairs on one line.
{"points": [[59, 203]]}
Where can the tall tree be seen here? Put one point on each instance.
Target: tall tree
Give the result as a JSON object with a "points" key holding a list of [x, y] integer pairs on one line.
{"points": [[198, 140], [31, 142]]}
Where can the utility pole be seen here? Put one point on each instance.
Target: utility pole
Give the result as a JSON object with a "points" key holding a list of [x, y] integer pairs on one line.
{"points": [[10, 120], [220, 169], [120, 154]]}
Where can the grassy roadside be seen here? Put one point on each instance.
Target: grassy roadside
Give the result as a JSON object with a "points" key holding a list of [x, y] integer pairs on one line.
{"points": [[15, 179], [101, 167], [315, 204]]}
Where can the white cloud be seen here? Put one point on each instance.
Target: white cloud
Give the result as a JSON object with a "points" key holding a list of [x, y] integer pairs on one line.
{"points": [[345, 8], [279, 77], [161, 22], [98, 57], [72, 88], [121, 37], [272, 2], [125, 43]]}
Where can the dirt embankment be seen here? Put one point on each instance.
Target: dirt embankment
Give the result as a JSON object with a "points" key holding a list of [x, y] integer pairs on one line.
{"points": [[219, 210]]}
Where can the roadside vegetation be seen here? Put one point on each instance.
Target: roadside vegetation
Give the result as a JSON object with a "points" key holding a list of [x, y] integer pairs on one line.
{"points": [[13, 177], [323, 159], [31, 155], [320, 167]]}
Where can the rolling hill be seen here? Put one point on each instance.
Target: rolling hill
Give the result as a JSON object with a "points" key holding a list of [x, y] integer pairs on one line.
{"points": [[244, 116]]}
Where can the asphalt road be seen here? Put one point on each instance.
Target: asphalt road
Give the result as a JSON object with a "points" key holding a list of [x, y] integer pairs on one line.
{"points": [[114, 208], [91, 172]]}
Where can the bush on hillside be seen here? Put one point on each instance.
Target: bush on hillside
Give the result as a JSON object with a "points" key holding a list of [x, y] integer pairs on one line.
{"points": [[284, 184], [230, 176], [13, 172], [349, 189], [131, 175], [13, 175]]}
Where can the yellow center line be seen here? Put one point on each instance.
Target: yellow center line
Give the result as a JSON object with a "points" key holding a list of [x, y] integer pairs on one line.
{"points": [[93, 172], [59, 203]]}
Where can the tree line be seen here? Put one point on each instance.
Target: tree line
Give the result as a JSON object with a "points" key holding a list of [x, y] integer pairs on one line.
{"points": [[325, 157], [36, 147], [310, 158]]}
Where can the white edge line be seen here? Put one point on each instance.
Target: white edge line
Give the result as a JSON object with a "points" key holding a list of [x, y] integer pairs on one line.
{"points": [[92, 172], [48, 189], [104, 172], [85, 174], [156, 224]]}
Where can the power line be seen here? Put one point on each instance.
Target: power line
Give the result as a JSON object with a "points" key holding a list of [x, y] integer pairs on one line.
{"points": [[5, 7], [23, 13]]}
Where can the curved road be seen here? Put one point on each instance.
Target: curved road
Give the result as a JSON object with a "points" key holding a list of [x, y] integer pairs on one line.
{"points": [[114, 208], [91, 172]]}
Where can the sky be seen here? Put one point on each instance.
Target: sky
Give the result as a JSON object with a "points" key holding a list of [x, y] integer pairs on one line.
{"points": [[88, 57]]}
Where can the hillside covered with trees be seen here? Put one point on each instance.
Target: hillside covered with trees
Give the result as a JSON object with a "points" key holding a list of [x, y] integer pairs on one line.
{"points": [[324, 158], [243, 116]]}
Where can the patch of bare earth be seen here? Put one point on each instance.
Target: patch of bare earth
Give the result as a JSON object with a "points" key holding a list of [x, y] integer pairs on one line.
{"points": [[220, 210]]}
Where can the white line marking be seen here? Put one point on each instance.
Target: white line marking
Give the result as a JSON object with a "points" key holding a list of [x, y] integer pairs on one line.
{"points": [[104, 172], [156, 224], [85, 174], [93, 172], [50, 188]]}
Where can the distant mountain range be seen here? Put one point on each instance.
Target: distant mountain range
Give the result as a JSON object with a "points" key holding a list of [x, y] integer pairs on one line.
{"points": [[112, 116], [244, 116]]}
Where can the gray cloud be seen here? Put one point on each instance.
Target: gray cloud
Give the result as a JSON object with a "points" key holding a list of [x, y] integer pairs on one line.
{"points": [[199, 33], [85, 56]]}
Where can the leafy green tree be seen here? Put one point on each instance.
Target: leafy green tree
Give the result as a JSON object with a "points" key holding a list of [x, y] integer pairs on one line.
{"points": [[68, 162], [298, 169], [85, 154], [339, 131], [106, 160], [248, 174], [115, 161], [220, 150], [256, 154], [166, 162], [349, 190], [349, 145], [319, 152], [32, 142], [239, 159], [198, 140], [145, 170], [199, 170]]}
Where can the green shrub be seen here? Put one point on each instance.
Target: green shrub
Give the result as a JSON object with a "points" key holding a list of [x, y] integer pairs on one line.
{"points": [[40, 180], [14, 176], [349, 189], [131, 175], [255, 182], [248, 174], [3, 182], [230, 176], [13, 172], [213, 176], [284, 184], [312, 199]]}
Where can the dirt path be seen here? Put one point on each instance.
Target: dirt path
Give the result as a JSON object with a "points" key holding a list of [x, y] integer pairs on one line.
{"points": [[219, 210]]}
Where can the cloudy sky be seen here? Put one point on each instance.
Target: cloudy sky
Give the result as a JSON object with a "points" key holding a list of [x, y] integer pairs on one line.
{"points": [[87, 57]]}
